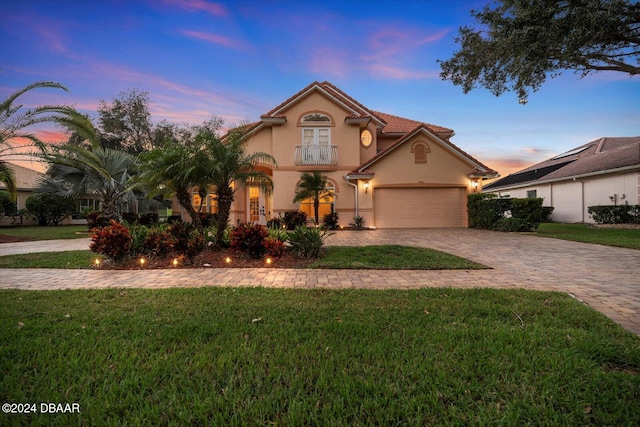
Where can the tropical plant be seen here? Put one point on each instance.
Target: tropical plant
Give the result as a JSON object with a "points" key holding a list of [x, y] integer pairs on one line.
{"points": [[178, 167], [231, 168], [112, 241], [188, 240], [313, 185], [293, 219], [14, 124], [307, 242], [75, 171], [330, 220], [249, 238], [49, 209], [358, 222]]}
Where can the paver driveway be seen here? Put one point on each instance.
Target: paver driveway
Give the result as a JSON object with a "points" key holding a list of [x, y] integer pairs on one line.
{"points": [[606, 278]]}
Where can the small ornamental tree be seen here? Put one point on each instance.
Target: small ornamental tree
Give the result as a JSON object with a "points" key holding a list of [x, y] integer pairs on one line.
{"points": [[49, 209], [7, 206]]}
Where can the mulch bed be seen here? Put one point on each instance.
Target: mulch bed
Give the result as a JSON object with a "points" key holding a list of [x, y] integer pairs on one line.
{"points": [[211, 259], [12, 239]]}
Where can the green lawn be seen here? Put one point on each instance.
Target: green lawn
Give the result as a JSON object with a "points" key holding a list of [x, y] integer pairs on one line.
{"points": [[238, 356], [392, 257], [47, 233], [625, 238], [67, 259]]}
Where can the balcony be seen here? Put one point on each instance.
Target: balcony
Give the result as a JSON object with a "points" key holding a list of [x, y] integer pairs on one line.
{"points": [[316, 155]]}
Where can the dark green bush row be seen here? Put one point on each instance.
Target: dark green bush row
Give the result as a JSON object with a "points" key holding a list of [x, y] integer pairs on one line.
{"points": [[488, 211], [623, 214]]}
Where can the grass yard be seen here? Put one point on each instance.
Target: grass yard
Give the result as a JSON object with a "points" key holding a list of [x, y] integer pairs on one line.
{"points": [[67, 259], [255, 356], [625, 238], [46, 233], [392, 257]]}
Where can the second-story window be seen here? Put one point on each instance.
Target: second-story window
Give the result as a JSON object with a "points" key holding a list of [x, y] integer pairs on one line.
{"points": [[315, 147]]}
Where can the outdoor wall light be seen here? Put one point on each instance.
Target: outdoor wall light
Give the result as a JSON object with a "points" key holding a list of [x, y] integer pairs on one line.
{"points": [[366, 186], [474, 184]]}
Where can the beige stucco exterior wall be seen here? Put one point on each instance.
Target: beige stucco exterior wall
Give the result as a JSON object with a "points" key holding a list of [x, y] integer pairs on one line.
{"points": [[398, 169]]}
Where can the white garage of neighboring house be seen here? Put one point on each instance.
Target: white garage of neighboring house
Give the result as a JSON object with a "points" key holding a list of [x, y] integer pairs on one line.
{"points": [[605, 171]]}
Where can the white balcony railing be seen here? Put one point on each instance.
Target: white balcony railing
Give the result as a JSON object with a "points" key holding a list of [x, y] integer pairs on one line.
{"points": [[316, 155]]}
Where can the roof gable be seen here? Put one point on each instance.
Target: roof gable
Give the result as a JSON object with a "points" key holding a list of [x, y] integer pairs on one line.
{"points": [[479, 168], [598, 156], [354, 108]]}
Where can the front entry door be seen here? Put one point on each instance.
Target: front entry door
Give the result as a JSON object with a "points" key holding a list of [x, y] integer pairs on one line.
{"points": [[259, 206]]}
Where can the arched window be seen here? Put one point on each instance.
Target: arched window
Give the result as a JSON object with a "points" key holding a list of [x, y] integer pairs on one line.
{"points": [[420, 151], [315, 145], [316, 117], [327, 203]]}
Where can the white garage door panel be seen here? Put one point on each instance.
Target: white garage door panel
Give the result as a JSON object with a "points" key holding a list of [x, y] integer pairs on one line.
{"points": [[419, 207]]}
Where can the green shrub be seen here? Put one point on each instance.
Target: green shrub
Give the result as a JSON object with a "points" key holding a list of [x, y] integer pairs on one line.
{"points": [[487, 211], [307, 242], [49, 209], [7, 206], [188, 241], [276, 223], [129, 217], [622, 214], [249, 238], [330, 220], [358, 222], [149, 218], [113, 241], [139, 235], [512, 224], [529, 210], [293, 219]]}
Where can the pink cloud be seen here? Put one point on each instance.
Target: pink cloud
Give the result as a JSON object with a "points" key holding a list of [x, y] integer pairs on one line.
{"points": [[217, 39], [381, 70], [215, 9], [328, 61]]}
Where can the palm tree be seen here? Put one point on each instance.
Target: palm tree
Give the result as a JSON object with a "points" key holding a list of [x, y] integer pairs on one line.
{"points": [[75, 171], [174, 169], [313, 186], [230, 164], [14, 122]]}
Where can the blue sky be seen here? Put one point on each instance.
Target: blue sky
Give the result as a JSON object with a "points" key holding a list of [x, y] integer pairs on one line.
{"points": [[239, 59]]}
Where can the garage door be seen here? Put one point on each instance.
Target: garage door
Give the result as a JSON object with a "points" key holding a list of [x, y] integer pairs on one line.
{"points": [[420, 207]]}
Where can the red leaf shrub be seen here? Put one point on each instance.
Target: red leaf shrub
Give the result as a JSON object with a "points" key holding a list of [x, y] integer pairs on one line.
{"points": [[158, 242], [112, 241], [250, 239], [274, 247], [188, 240]]}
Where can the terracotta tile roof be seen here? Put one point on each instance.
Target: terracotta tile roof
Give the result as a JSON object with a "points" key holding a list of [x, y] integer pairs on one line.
{"points": [[598, 156], [395, 124]]}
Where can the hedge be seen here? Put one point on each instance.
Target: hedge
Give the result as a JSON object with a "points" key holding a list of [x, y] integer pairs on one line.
{"points": [[488, 211], [622, 214]]}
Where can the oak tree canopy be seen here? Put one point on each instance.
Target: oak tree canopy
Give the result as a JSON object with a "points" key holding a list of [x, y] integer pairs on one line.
{"points": [[517, 44]]}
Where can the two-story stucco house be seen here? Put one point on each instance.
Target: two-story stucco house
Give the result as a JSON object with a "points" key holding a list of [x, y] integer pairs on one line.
{"points": [[394, 172]]}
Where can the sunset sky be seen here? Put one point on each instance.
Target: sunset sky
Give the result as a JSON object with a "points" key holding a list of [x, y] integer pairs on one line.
{"points": [[239, 59]]}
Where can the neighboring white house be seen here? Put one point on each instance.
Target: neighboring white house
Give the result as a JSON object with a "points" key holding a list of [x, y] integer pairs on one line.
{"points": [[602, 172]]}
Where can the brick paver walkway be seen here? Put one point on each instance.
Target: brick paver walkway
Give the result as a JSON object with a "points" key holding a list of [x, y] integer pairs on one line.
{"points": [[606, 278]]}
